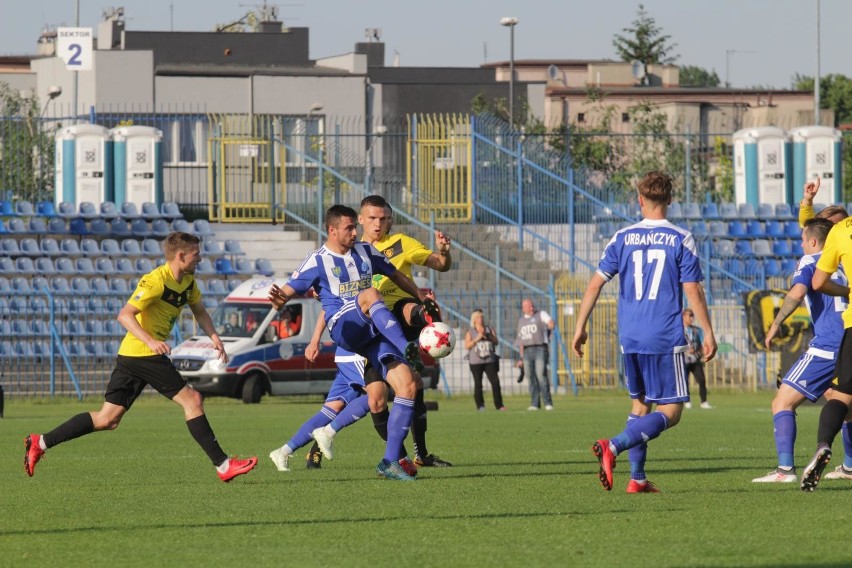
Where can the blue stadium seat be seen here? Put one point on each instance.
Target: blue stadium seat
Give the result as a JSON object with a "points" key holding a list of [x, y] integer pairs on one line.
{"points": [[67, 210], [37, 226], [88, 211], [224, 267], [85, 266], [205, 268], [781, 248], [46, 209], [18, 305], [21, 286], [3, 229], [675, 211], [233, 283], [70, 247], [216, 287], [736, 229], [4, 309], [109, 211], [772, 267], [742, 247], [38, 305], [211, 249], [735, 267], [263, 266], [6, 349], [78, 226], [7, 209], [5, 328], [56, 226], [5, 287], [788, 266], [754, 228], [170, 210], [16, 226], [49, 247], [139, 229], [113, 305], [746, 211], [783, 212], [151, 248], [9, 246], [72, 328], [774, 229], [160, 228], [150, 211], [131, 248], [101, 227], [761, 248], [728, 211], [118, 286], [819, 207], [201, 284], [129, 211], [201, 227], [765, 211], [143, 265], [80, 286], [124, 267], [792, 230], [723, 248], [24, 349], [119, 228], [112, 327], [753, 268], [99, 285], [59, 286], [110, 247], [76, 306], [244, 266], [93, 328], [42, 348], [90, 247], [233, 248], [182, 226], [95, 306], [24, 209], [29, 247], [24, 265], [691, 211], [7, 265], [44, 265], [797, 249], [20, 327], [710, 211], [104, 265], [65, 266], [40, 284]]}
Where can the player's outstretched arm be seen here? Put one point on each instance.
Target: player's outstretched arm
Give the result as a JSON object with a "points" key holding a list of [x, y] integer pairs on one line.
{"points": [[407, 285], [698, 302], [822, 282], [440, 260], [791, 301], [590, 298], [280, 296], [806, 206], [205, 322]]}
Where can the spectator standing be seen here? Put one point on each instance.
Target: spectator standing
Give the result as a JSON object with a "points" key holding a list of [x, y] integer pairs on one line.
{"points": [[481, 341], [534, 328], [695, 356]]}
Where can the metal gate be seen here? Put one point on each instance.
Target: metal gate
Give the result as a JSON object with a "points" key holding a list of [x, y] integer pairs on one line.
{"points": [[246, 172], [439, 172]]}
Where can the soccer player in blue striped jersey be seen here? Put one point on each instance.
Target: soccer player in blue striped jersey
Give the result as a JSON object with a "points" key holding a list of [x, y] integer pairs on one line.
{"points": [[657, 264], [341, 274], [811, 375]]}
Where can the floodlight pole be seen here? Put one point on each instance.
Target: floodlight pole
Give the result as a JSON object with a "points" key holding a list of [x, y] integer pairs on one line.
{"points": [[511, 22], [816, 76]]}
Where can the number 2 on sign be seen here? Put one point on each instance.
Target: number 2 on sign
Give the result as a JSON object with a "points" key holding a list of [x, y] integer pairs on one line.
{"points": [[658, 257], [76, 49]]}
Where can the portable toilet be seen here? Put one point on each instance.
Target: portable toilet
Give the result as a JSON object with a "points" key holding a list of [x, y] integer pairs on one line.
{"points": [[816, 152], [83, 164], [762, 163], [137, 151]]}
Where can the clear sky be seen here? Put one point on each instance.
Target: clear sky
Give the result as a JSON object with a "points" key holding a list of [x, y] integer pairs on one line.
{"points": [[774, 38]]}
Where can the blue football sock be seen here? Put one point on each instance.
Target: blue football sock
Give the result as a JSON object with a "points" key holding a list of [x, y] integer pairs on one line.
{"points": [[354, 411], [785, 437], [847, 445], [640, 431], [399, 423], [318, 420], [637, 455], [387, 325]]}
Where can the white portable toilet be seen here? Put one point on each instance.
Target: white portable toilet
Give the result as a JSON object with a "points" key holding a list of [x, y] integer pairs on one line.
{"points": [[816, 152], [137, 151], [83, 164], [762, 163]]}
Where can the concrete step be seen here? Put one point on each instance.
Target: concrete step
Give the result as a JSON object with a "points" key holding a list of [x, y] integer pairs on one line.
{"points": [[284, 249]]}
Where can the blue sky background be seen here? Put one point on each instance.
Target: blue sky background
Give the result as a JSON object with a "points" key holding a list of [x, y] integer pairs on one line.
{"points": [[450, 33]]}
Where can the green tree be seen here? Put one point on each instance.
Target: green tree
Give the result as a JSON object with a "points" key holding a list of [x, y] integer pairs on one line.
{"points": [[644, 41], [26, 147], [694, 76]]}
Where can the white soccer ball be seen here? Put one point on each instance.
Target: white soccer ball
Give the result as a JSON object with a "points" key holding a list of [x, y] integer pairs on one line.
{"points": [[438, 340]]}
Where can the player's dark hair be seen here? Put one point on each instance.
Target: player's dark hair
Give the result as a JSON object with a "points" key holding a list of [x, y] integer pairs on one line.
{"points": [[656, 186], [831, 211], [336, 212], [818, 228], [179, 242], [374, 201]]}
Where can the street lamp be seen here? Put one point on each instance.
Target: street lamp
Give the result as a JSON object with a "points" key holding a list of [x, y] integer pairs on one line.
{"points": [[728, 53], [53, 92], [511, 22]]}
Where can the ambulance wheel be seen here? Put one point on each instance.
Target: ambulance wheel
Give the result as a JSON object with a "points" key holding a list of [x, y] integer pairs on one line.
{"points": [[253, 388]]}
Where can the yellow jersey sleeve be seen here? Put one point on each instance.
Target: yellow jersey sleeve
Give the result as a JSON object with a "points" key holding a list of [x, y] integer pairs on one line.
{"points": [[149, 290], [415, 252], [806, 213]]}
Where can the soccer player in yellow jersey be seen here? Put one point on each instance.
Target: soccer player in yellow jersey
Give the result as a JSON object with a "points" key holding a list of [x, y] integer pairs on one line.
{"points": [[837, 253], [834, 213], [148, 317], [376, 218]]}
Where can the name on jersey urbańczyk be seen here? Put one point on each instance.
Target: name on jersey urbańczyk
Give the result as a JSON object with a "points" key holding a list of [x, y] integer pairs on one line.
{"points": [[665, 239]]}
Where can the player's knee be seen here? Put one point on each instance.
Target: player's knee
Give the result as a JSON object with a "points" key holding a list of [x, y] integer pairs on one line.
{"points": [[369, 297], [102, 421], [377, 405]]}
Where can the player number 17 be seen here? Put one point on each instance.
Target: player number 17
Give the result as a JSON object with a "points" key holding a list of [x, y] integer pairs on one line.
{"points": [[655, 256]]}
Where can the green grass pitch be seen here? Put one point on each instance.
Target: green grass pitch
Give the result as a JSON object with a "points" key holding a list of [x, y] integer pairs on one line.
{"points": [[524, 492]]}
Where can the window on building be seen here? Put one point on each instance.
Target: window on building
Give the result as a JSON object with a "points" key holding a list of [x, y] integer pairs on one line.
{"points": [[581, 117], [625, 117]]}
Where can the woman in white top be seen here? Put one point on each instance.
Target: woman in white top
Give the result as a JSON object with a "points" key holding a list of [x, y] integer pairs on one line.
{"points": [[482, 343]]}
